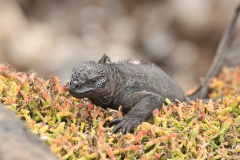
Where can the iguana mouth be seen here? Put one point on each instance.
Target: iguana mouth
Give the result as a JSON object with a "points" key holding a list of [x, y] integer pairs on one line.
{"points": [[81, 93]]}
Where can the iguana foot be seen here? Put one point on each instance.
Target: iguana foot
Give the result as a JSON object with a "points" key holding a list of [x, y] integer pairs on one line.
{"points": [[126, 123]]}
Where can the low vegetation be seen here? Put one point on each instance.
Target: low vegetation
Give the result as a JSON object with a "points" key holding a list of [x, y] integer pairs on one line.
{"points": [[77, 130]]}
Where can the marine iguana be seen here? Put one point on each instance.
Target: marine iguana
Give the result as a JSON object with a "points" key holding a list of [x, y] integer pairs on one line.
{"points": [[138, 86]]}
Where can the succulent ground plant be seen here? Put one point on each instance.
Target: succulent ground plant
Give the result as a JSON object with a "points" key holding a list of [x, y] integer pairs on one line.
{"points": [[75, 129]]}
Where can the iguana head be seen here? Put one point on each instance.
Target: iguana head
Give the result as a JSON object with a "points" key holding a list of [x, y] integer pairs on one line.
{"points": [[88, 78]]}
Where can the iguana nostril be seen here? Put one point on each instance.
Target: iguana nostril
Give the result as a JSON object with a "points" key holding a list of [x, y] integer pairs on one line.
{"points": [[73, 85]]}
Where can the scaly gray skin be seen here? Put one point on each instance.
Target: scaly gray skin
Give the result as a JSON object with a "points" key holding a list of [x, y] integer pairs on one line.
{"points": [[138, 86]]}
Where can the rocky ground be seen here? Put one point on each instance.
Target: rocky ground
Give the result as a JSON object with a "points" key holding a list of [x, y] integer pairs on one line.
{"points": [[17, 142]]}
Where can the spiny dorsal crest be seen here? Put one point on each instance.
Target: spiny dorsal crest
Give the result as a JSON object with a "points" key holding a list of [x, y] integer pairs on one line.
{"points": [[104, 59]]}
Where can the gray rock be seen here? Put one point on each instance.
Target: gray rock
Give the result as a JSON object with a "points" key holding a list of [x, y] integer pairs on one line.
{"points": [[17, 143]]}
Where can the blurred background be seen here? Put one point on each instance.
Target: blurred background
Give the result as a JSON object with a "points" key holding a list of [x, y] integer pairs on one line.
{"points": [[179, 36]]}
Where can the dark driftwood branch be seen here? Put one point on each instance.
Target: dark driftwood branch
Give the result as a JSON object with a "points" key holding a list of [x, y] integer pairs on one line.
{"points": [[219, 59]]}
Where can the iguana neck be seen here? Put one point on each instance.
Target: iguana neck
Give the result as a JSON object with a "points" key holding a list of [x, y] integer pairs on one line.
{"points": [[118, 80]]}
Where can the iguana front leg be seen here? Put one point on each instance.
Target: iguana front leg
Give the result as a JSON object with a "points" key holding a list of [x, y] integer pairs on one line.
{"points": [[140, 112]]}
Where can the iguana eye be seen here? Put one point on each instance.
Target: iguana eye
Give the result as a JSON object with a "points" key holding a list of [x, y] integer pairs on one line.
{"points": [[92, 80]]}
